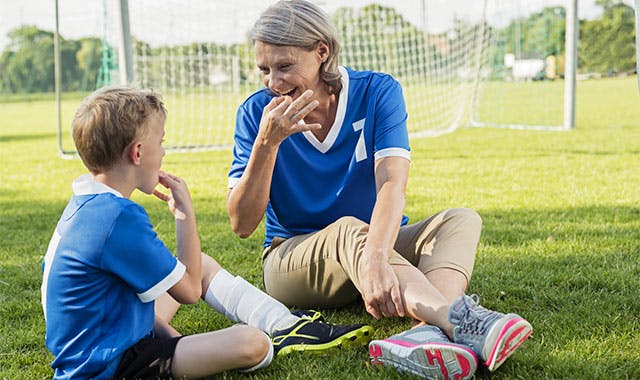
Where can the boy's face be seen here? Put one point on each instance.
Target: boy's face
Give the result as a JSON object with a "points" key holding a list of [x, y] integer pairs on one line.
{"points": [[152, 153]]}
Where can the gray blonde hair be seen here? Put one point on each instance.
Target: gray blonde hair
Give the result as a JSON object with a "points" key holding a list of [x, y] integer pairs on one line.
{"points": [[301, 24]]}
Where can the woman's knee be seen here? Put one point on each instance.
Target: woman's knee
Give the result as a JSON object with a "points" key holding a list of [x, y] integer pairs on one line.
{"points": [[347, 228], [349, 222], [466, 217]]}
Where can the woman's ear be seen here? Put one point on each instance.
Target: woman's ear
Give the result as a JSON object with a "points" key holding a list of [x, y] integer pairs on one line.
{"points": [[323, 51]]}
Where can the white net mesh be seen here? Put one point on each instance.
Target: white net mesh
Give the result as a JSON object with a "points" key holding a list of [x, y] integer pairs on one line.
{"points": [[461, 62], [521, 84]]}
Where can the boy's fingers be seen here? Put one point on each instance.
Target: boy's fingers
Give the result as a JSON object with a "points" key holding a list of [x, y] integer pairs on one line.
{"points": [[160, 195], [163, 180], [169, 180], [172, 177]]}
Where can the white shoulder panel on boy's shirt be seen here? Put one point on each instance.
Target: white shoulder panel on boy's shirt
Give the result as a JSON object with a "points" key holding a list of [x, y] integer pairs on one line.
{"points": [[48, 259]]}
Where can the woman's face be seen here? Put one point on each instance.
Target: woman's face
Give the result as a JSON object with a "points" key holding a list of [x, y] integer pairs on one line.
{"points": [[289, 70]]}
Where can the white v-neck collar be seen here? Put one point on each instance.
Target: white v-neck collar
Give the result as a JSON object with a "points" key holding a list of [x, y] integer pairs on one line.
{"points": [[325, 145]]}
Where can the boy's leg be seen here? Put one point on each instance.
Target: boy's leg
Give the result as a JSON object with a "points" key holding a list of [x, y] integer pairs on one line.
{"points": [[240, 301], [236, 347], [239, 347], [231, 296]]}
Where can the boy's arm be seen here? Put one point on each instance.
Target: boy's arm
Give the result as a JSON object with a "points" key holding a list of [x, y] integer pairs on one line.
{"points": [[189, 288], [162, 329]]}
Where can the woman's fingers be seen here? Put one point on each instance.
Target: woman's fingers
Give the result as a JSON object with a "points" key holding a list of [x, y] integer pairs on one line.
{"points": [[274, 103]]}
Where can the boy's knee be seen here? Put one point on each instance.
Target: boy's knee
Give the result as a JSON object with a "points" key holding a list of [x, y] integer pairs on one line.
{"points": [[209, 269], [254, 343]]}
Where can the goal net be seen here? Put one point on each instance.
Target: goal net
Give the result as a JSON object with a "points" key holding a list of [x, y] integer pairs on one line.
{"points": [[460, 62]]}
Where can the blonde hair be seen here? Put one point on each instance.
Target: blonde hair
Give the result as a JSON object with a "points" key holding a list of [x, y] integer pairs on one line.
{"points": [[301, 24], [109, 120]]}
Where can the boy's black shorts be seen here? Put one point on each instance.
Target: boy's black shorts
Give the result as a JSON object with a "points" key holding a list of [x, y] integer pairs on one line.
{"points": [[150, 358]]}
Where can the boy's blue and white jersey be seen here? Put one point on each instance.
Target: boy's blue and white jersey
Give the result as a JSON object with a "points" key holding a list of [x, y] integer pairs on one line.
{"points": [[103, 269], [315, 183]]}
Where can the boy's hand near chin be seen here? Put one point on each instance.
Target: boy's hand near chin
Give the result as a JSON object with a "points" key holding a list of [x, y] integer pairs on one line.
{"points": [[179, 199]]}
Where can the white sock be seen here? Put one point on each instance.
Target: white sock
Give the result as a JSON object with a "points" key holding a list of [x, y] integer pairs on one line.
{"points": [[265, 362], [242, 302]]}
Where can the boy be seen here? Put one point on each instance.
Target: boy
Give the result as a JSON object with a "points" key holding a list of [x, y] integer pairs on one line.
{"points": [[110, 285]]}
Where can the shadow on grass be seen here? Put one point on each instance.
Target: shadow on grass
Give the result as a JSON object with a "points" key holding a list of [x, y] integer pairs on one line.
{"points": [[26, 137], [572, 272]]}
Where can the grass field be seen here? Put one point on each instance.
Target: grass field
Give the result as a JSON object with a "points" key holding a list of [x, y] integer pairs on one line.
{"points": [[560, 245]]}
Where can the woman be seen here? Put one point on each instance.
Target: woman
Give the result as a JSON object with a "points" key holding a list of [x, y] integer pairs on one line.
{"points": [[323, 151]]}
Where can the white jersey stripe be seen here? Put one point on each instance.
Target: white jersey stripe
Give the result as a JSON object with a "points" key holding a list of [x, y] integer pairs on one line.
{"points": [[48, 259], [395, 152], [164, 285]]}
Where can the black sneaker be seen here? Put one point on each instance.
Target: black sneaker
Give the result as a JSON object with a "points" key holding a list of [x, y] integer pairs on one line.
{"points": [[317, 336], [310, 314]]}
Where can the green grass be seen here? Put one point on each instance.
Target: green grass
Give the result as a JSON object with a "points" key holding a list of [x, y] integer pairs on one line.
{"points": [[560, 244]]}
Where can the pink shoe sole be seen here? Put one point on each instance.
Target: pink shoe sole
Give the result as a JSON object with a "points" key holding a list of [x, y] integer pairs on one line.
{"points": [[431, 361], [510, 337]]}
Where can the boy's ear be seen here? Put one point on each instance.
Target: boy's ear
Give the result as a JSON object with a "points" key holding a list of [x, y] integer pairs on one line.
{"points": [[135, 152]]}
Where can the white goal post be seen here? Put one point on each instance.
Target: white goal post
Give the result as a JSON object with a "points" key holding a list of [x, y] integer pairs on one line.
{"points": [[637, 9], [462, 63]]}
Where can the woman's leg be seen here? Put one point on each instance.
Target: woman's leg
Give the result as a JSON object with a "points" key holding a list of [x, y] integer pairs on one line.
{"points": [[322, 267], [317, 269], [443, 248], [422, 300]]}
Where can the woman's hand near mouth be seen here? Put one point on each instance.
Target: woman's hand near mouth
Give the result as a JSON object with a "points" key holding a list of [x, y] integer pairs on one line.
{"points": [[283, 116]]}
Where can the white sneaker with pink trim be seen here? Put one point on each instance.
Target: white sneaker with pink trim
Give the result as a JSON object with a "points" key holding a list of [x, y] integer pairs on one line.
{"points": [[491, 335], [425, 351]]}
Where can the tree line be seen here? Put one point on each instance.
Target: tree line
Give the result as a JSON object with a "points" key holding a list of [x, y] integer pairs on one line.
{"points": [[606, 45]]}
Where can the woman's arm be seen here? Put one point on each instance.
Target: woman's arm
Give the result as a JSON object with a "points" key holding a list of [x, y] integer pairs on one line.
{"points": [[380, 286], [247, 200]]}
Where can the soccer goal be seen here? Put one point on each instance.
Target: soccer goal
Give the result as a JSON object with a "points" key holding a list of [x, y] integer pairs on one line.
{"points": [[462, 63]]}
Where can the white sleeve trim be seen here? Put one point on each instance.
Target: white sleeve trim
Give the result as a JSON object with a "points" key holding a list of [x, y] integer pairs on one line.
{"points": [[393, 152], [164, 285], [232, 182]]}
